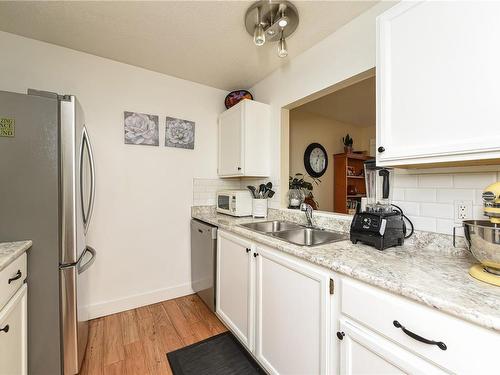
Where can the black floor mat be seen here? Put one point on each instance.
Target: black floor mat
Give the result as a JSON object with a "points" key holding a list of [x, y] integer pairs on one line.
{"points": [[218, 355]]}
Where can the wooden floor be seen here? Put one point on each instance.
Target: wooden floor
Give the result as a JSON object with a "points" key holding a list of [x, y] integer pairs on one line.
{"points": [[135, 342]]}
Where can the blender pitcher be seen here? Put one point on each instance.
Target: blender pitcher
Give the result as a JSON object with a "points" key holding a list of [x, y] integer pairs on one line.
{"points": [[379, 182]]}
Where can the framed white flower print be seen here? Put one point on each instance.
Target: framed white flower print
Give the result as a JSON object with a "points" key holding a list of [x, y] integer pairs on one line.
{"points": [[179, 133], [141, 129]]}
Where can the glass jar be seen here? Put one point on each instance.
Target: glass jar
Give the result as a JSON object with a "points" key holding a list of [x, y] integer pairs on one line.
{"points": [[295, 198]]}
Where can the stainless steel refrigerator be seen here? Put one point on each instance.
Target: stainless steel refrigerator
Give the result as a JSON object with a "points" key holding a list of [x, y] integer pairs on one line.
{"points": [[47, 189]]}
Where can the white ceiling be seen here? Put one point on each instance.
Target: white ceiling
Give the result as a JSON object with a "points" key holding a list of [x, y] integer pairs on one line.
{"points": [[354, 104], [201, 41]]}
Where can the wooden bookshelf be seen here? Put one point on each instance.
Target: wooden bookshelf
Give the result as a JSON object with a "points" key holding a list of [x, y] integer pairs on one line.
{"points": [[342, 181]]}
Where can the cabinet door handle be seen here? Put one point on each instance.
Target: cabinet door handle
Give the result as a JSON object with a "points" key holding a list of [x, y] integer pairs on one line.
{"points": [[381, 149], [340, 335], [248, 250], [255, 255], [17, 276], [239, 168], [5, 329], [441, 345]]}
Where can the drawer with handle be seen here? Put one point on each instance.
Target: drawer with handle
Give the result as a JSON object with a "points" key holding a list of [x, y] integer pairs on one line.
{"points": [[11, 279], [14, 335], [447, 341]]}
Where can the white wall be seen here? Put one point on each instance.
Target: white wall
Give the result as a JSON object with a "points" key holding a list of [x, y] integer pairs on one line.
{"points": [[140, 225]]}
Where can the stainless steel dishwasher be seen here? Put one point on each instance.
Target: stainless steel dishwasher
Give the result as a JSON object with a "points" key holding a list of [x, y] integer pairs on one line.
{"points": [[203, 261]]}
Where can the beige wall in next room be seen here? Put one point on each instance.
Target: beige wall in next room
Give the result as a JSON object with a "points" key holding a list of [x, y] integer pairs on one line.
{"points": [[306, 128]]}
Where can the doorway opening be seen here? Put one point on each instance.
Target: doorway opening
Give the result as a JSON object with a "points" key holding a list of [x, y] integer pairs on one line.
{"points": [[326, 138]]}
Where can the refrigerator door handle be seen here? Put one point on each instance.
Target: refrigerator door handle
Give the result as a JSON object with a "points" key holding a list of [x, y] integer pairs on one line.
{"points": [[87, 211], [83, 267]]}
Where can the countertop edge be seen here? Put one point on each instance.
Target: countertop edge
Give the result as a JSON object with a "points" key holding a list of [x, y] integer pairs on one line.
{"points": [[10, 251], [409, 292]]}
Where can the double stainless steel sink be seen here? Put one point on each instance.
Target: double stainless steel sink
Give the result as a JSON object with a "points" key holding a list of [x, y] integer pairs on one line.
{"points": [[295, 233]]}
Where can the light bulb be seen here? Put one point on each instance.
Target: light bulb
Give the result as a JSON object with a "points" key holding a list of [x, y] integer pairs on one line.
{"points": [[259, 37], [283, 22], [282, 51]]}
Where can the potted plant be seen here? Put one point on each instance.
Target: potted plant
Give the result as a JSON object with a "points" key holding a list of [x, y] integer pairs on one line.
{"points": [[300, 190], [348, 141]]}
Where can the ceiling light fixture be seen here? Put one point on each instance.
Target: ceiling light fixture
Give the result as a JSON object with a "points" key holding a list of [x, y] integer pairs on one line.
{"points": [[283, 22], [259, 37], [272, 21], [282, 51]]}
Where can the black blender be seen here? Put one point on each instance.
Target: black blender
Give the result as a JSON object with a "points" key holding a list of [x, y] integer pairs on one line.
{"points": [[381, 224]]}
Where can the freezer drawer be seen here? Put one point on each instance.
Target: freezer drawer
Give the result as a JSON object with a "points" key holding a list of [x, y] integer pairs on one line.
{"points": [[203, 261]]}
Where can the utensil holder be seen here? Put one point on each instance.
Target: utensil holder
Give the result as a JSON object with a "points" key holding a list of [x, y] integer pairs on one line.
{"points": [[259, 208]]}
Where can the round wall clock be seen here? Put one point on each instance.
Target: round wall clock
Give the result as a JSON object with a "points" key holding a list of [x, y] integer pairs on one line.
{"points": [[315, 160]]}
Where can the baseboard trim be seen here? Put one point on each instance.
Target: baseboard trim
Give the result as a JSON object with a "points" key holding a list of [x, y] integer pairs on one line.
{"points": [[122, 304]]}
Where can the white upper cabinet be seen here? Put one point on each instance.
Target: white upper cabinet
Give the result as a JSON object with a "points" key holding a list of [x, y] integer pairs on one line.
{"points": [[438, 78], [244, 140]]}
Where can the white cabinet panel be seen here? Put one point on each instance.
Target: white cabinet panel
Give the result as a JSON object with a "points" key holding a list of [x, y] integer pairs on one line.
{"points": [[14, 335], [244, 147], [365, 353], [292, 315], [12, 278], [437, 82], [230, 147], [235, 291], [469, 348]]}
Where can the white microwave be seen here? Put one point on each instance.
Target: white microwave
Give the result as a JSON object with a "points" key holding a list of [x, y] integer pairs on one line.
{"points": [[234, 202]]}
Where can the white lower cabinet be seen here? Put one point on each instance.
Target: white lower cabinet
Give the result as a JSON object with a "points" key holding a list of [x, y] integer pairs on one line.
{"points": [[287, 299], [13, 335], [235, 286], [409, 336], [363, 352], [292, 315], [281, 309]]}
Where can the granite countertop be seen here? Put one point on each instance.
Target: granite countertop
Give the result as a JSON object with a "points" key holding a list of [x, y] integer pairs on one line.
{"points": [[435, 278], [10, 251]]}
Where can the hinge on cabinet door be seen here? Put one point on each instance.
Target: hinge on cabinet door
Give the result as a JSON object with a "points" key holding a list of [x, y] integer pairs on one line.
{"points": [[332, 286]]}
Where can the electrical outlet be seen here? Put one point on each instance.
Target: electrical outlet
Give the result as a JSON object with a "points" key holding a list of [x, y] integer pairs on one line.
{"points": [[463, 210]]}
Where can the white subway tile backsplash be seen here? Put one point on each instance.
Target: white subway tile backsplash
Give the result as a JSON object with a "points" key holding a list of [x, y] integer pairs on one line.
{"points": [[478, 213], [398, 194], [420, 195], [473, 180], [431, 203], [451, 195], [478, 197], [428, 199], [435, 181], [405, 181], [205, 189], [438, 210], [409, 208], [445, 226], [423, 223]]}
